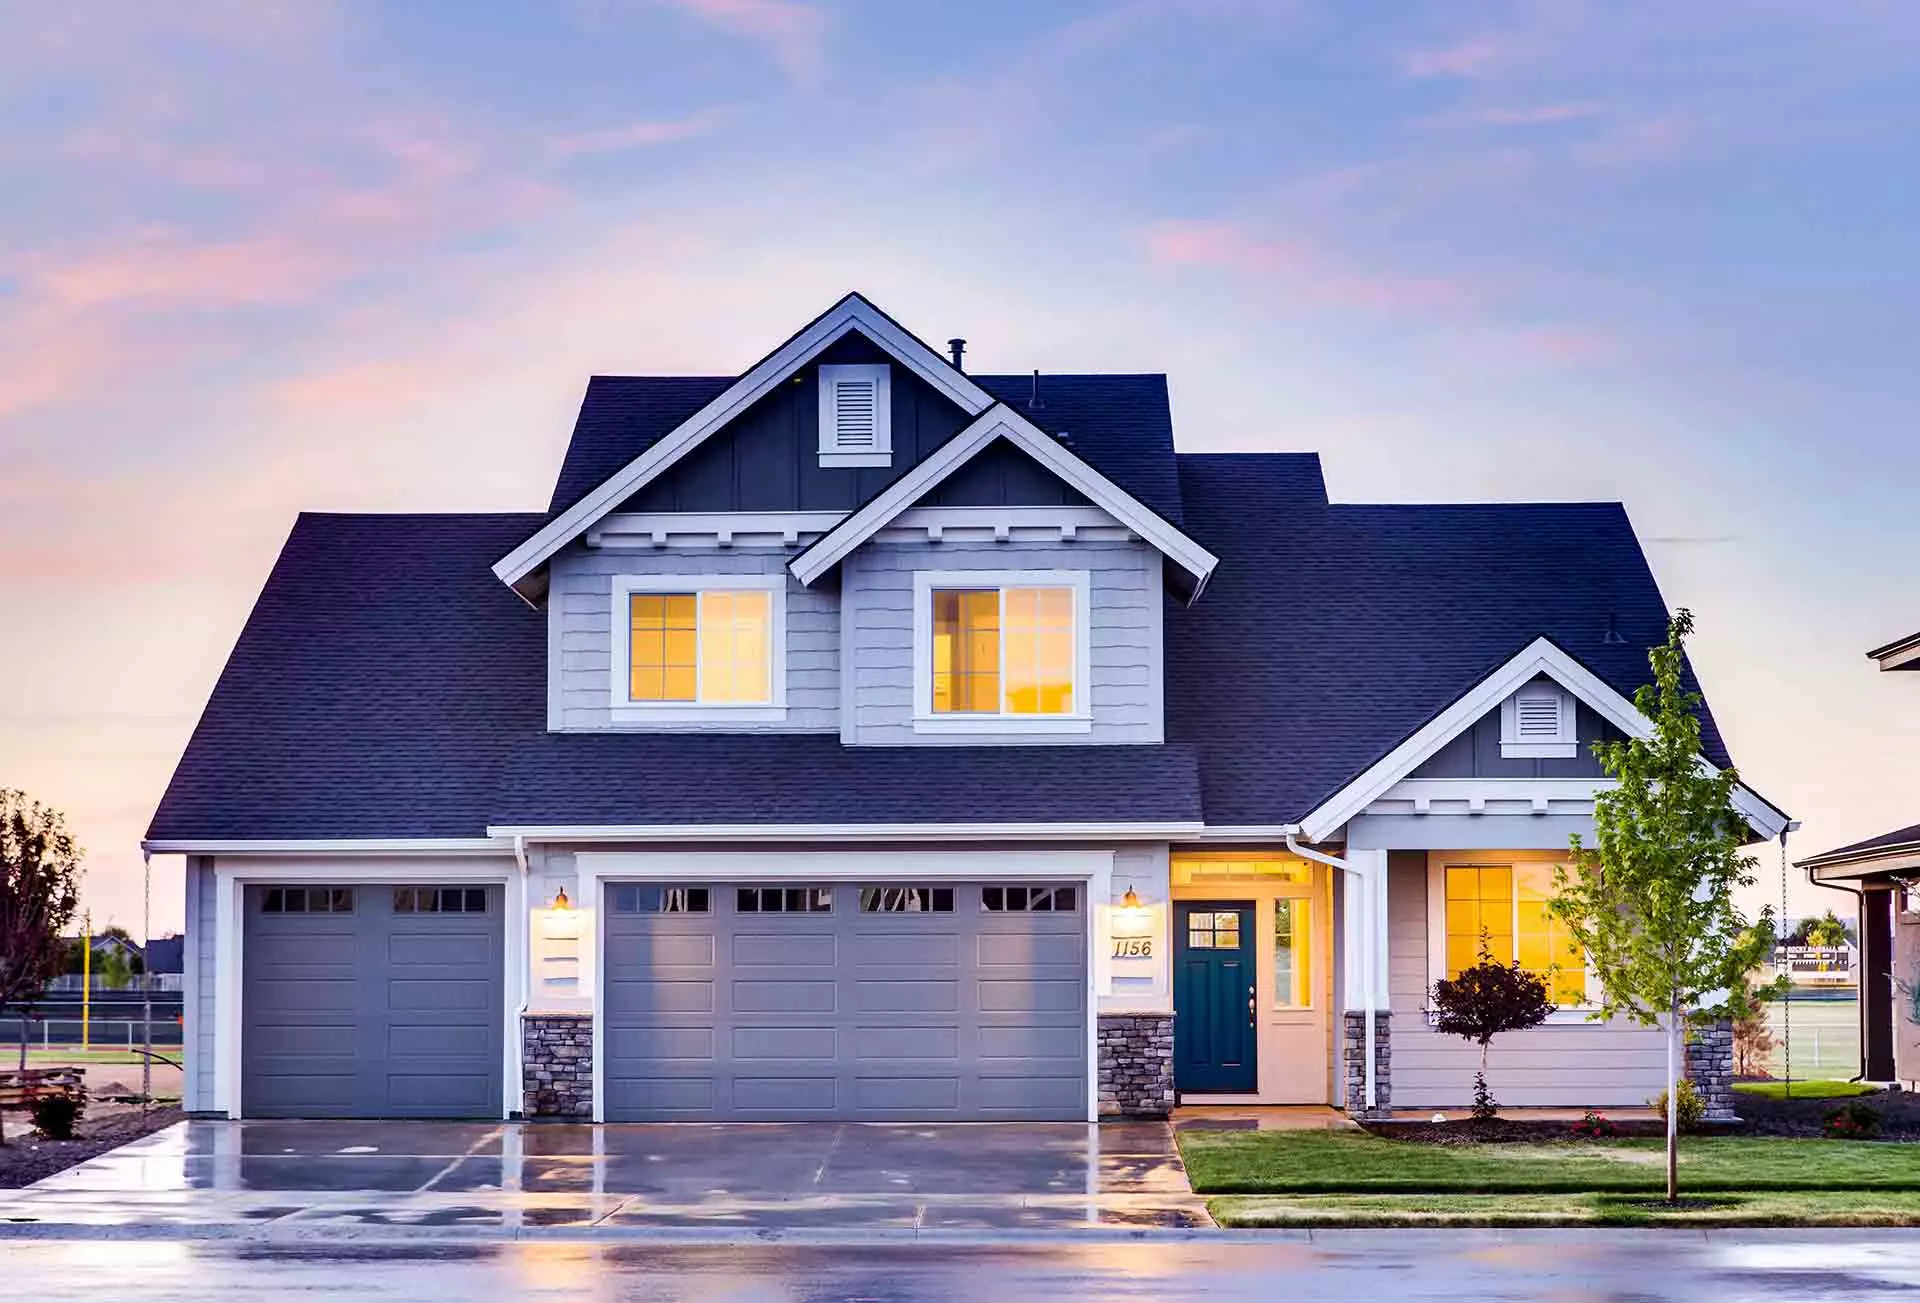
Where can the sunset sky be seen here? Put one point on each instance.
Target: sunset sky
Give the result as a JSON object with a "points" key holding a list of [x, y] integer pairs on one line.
{"points": [[261, 257]]}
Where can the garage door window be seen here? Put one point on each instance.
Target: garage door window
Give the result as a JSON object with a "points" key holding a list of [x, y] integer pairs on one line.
{"points": [[1027, 900], [307, 900], [784, 900], [906, 900], [439, 900], [661, 900]]}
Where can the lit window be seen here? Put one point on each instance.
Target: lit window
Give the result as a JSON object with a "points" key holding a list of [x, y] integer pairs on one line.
{"points": [[1292, 953], [1213, 930], [710, 647], [1003, 651], [1508, 903]]}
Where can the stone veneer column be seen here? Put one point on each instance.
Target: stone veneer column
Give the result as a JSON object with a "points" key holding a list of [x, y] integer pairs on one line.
{"points": [[1136, 1064], [1353, 1060], [1710, 1068], [556, 1072]]}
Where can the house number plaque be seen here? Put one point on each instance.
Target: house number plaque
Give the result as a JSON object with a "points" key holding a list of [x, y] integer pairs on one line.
{"points": [[1133, 947]]}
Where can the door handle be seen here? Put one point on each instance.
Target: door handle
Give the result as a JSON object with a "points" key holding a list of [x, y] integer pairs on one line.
{"points": [[1253, 1017]]}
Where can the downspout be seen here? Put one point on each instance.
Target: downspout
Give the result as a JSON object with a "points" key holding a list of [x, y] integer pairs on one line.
{"points": [[1859, 895], [519, 1030], [1366, 952]]}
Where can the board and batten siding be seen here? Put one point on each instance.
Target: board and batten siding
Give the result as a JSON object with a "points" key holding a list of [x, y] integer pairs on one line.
{"points": [[1559, 1065], [580, 607], [1126, 613], [197, 1035]]}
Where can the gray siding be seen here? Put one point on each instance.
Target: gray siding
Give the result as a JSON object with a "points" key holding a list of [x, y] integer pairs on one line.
{"points": [[198, 1032], [1126, 615], [581, 605], [1476, 752], [1578, 1065]]}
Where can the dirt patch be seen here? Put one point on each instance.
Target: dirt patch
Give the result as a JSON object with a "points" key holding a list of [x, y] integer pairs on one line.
{"points": [[1496, 1131], [27, 1158]]}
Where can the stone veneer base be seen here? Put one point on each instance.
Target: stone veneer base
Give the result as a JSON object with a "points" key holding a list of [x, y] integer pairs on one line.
{"points": [[1353, 1060], [556, 1065], [1136, 1064], [1709, 1067]]}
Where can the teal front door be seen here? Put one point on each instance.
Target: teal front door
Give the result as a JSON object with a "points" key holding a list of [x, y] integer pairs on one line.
{"points": [[1215, 1042]]}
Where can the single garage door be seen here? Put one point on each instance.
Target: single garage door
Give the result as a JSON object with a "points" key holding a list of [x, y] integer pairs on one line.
{"points": [[372, 1001], [847, 1002]]}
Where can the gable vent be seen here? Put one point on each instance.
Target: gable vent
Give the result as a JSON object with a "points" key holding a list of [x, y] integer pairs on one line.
{"points": [[854, 411], [1537, 723], [1537, 717]]}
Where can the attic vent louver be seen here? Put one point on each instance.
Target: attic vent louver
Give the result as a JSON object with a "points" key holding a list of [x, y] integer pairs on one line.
{"points": [[1537, 723], [855, 411], [1537, 717]]}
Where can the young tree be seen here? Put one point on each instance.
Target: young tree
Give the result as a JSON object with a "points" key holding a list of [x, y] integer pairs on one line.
{"points": [[1651, 902], [1483, 1001], [1827, 931], [39, 890]]}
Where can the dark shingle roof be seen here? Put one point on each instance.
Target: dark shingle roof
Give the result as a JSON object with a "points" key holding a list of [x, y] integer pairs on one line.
{"points": [[1908, 836], [1121, 425], [1329, 634]]}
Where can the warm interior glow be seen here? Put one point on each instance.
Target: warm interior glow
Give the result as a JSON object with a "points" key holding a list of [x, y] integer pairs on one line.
{"points": [[1509, 903], [966, 651], [1292, 952], [714, 646], [1039, 651], [1017, 639]]}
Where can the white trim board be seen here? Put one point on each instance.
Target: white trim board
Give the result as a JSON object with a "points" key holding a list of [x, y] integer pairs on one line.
{"points": [[1542, 656], [1001, 422], [850, 314], [328, 846], [852, 832]]}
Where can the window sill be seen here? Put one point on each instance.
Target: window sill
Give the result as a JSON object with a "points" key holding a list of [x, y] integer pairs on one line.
{"points": [[1002, 724], [830, 459], [1539, 750], [686, 712]]}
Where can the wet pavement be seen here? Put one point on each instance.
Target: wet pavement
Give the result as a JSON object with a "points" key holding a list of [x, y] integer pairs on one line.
{"points": [[489, 1180], [1567, 1267]]}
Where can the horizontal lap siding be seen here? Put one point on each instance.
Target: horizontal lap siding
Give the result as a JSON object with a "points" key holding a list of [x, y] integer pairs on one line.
{"points": [[1611, 1065], [1124, 642], [582, 606]]}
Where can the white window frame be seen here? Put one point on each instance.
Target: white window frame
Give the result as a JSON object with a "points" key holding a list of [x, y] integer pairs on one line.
{"points": [[1079, 720], [881, 453], [628, 711], [1437, 866], [1565, 744]]}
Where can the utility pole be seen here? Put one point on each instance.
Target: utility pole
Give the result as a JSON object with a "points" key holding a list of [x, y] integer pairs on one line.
{"points": [[86, 981]]}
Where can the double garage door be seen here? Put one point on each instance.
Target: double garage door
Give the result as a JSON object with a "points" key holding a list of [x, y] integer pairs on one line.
{"points": [[845, 1001], [372, 1001]]}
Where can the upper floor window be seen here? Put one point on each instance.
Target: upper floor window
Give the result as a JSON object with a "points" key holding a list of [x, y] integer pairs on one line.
{"points": [[1002, 651], [693, 648], [856, 411]]}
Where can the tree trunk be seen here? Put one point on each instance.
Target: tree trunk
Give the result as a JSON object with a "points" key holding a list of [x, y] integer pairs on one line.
{"points": [[1673, 1103]]}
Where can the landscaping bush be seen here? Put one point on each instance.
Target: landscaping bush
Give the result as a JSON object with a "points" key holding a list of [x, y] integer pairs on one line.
{"points": [[54, 1115], [1693, 1109], [1853, 1121], [1595, 1126]]}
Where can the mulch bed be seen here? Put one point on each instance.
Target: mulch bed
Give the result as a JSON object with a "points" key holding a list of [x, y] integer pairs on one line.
{"points": [[1494, 1131], [1759, 1116], [27, 1158], [1899, 1112]]}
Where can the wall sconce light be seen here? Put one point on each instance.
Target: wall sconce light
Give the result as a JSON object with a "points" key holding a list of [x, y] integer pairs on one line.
{"points": [[560, 900], [1131, 914], [560, 921]]}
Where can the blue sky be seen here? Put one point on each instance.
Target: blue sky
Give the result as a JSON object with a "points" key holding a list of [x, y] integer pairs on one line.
{"points": [[262, 257]]}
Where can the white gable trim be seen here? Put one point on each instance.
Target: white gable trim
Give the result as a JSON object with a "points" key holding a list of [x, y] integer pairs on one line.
{"points": [[1541, 657], [851, 313], [1001, 422]]}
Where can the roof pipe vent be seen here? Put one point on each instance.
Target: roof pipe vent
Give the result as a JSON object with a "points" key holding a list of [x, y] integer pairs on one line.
{"points": [[957, 350], [1613, 637], [1035, 402]]}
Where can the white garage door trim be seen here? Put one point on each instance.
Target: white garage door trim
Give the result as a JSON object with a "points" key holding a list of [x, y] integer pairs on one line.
{"points": [[1094, 869], [231, 878]]}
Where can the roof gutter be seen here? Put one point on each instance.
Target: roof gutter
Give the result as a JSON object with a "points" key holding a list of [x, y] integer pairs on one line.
{"points": [[1368, 906]]}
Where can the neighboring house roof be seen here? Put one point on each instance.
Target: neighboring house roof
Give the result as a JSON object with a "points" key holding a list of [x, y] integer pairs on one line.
{"points": [[1330, 634], [166, 955], [1899, 842], [1900, 654]]}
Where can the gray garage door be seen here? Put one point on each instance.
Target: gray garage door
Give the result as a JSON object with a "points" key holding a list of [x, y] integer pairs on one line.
{"points": [[874, 1002], [372, 1001]]}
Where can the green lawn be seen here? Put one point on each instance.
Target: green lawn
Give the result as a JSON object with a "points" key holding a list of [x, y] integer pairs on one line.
{"points": [[1804, 1089], [1800, 1208], [1346, 1162]]}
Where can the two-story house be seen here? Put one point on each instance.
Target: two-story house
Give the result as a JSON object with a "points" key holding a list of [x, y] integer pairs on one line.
{"points": [[857, 737]]}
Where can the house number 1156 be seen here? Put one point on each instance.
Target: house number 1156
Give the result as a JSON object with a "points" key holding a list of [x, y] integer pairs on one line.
{"points": [[1133, 947]]}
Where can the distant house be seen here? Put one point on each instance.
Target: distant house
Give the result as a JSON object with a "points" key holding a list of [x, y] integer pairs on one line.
{"points": [[1883, 873]]}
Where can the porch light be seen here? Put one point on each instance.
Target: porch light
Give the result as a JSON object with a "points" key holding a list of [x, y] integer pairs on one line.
{"points": [[1131, 915], [560, 900]]}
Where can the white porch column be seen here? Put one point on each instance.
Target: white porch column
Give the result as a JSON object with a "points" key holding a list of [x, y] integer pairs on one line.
{"points": [[1363, 932]]}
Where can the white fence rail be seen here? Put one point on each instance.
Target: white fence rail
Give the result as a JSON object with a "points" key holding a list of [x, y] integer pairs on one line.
{"points": [[101, 1033]]}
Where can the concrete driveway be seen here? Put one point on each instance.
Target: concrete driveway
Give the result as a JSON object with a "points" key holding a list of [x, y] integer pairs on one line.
{"points": [[252, 1178]]}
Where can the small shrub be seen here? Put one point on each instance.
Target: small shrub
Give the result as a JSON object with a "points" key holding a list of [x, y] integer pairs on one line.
{"points": [[1854, 1121], [54, 1115], [1595, 1126], [1693, 1109]]}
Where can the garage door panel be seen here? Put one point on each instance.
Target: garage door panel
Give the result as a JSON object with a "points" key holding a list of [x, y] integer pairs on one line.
{"points": [[660, 1044], [921, 1013], [800, 1044], [810, 997], [352, 1009], [668, 997]]}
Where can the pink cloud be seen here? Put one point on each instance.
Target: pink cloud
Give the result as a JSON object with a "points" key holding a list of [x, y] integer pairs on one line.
{"points": [[1532, 115], [1649, 140], [1470, 59], [638, 135], [1571, 346], [793, 33], [1304, 272]]}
